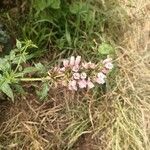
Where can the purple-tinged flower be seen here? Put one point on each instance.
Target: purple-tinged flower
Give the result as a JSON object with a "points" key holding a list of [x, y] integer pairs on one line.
{"points": [[101, 75], [75, 68], [66, 63], [72, 61], [72, 85], [109, 65], [100, 80], [82, 84], [76, 76], [83, 75], [78, 60]]}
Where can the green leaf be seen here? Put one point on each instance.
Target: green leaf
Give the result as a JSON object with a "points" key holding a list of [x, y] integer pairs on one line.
{"points": [[4, 64], [19, 88], [105, 49], [5, 88], [44, 92], [68, 37], [18, 44], [29, 70], [78, 8], [12, 55], [40, 5], [40, 67], [55, 4]]}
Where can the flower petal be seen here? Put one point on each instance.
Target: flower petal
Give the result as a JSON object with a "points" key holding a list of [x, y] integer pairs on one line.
{"points": [[100, 80], [82, 84], [90, 85], [66, 63], [76, 76], [78, 60], [72, 61]]}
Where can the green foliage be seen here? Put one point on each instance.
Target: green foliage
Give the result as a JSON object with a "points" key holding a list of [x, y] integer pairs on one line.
{"points": [[40, 5], [11, 67], [43, 93], [105, 49]]}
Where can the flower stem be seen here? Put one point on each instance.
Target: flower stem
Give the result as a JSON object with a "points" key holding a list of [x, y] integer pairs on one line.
{"points": [[34, 79]]}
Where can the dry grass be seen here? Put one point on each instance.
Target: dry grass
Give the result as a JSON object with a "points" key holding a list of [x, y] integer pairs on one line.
{"points": [[118, 120]]}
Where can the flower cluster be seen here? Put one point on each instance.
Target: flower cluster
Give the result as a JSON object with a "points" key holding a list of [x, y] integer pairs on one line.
{"points": [[76, 74]]}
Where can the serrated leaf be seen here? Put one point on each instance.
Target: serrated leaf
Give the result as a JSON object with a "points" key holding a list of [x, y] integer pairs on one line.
{"points": [[19, 88], [4, 64], [29, 70], [40, 67], [44, 92], [5, 88], [105, 49]]}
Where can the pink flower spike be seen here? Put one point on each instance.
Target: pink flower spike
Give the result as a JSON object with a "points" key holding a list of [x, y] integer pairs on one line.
{"points": [[90, 85], [75, 68], [76, 76], [82, 84], [78, 60], [72, 61], [83, 75], [72, 85], [66, 63], [100, 80], [101, 75], [109, 65]]}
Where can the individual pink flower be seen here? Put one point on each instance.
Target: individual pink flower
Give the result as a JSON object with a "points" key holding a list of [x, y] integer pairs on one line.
{"points": [[78, 60], [100, 80], [72, 85], [105, 71], [90, 84], [85, 65], [66, 63], [91, 65], [83, 75], [75, 68], [107, 60], [72, 61], [82, 84], [109, 65], [76, 76], [101, 75]]}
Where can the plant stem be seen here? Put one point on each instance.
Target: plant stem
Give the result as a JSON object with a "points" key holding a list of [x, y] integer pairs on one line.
{"points": [[34, 79]]}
